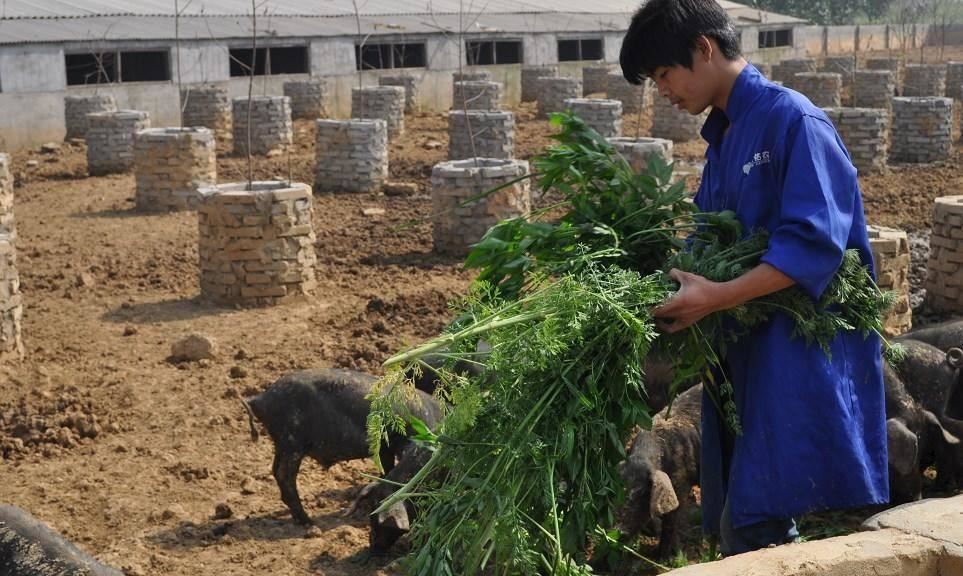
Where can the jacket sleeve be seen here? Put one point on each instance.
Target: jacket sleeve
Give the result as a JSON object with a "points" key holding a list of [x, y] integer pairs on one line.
{"points": [[815, 206]]}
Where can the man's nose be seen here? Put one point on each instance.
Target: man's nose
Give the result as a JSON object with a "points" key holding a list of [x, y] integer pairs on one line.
{"points": [[662, 87]]}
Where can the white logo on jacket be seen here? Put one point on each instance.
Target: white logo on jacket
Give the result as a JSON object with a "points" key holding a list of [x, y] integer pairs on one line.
{"points": [[758, 159]]}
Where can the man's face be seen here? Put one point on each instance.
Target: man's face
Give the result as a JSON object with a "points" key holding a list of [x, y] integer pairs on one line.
{"points": [[688, 90]]}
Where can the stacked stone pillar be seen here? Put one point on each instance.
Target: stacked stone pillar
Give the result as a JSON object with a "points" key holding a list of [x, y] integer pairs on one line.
{"points": [[530, 76], [351, 155], [786, 70], [890, 63], [11, 303], [595, 79], [8, 224], [944, 280], [633, 97], [673, 124], [873, 88], [171, 166], [271, 126], [954, 80], [481, 134], [603, 116], [637, 151], [380, 103], [845, 66], [256, 247], [476, 95], [865, 133], [76, 109], [922, 129], [209, 106], [553, 92], [409, 83], [891, 257], [822, 88], [110, 140], [455, 226], [924, 80], [308, 98]]}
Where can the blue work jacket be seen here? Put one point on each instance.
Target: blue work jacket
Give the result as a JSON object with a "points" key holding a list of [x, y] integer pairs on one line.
{"points": [[814, 428]]}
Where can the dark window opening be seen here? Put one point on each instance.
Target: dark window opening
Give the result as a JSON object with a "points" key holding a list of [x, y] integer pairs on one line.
{"points": [[775, 38], [269, 61], [488, 52], [91, 68], [580, 49], [144, 67], [396, 55]]}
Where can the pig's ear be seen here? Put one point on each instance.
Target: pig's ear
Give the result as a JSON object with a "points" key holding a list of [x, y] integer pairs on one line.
{"points": [[663, 498], [954, 357], [934, 424]]}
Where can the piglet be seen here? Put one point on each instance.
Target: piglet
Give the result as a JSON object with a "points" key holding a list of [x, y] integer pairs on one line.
{"points": [[662, 468], [323, 414]]}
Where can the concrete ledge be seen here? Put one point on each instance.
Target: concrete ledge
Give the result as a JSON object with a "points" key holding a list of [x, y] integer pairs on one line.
{"points": [[919, 539]]}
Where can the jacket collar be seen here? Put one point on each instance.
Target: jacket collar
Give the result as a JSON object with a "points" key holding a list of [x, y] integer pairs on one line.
{"points": [[747, 87]]}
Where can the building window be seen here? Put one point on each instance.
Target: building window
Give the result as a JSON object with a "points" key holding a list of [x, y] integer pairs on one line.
{"points": [[488, 52], [269, 60], [580, 49], [775, 38], [107, 67], [390, 55]]}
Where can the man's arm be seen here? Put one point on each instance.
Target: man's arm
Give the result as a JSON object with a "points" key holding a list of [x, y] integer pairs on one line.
{"points": [[698, 297]]}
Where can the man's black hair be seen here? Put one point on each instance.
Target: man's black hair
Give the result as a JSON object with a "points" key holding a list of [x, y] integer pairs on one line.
{"points": [[664, 33]]}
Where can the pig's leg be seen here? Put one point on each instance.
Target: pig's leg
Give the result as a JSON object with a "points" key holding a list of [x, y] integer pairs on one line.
{"points": [[286, 467], [669, 540]]}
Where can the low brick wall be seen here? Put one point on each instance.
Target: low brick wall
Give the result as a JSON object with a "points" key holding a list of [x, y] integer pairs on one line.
{"points": [[924, 80], [553, 92], [11, 303], [110, 140], [209, 106], [922, 130], [595, 79], [476, 95], [891, 63], [455, 227], [171, 165], [954, 80], [409, 83], [873, 88], [350, 155], [481, 134], [865, 132], [76, 109], [822, 88], [471, 76], [603, 116], [308, 98], [256, 247], [530, 76], [633, 97], [891, 257], [637, 151], [380, 103], [844, 65], [271, 127], [673, 124]]}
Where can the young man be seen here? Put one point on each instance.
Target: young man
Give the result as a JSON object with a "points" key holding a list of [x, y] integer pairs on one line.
{"points": [[814, 433]]}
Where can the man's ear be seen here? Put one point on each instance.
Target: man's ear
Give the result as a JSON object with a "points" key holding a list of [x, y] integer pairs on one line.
{"points": [[704, 47]]}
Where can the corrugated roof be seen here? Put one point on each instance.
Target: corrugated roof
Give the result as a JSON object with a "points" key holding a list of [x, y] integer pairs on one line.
{"points": [[46, 21]]}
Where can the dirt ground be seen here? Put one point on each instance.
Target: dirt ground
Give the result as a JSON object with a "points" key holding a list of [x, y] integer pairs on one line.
{"points": [[129, 455]]}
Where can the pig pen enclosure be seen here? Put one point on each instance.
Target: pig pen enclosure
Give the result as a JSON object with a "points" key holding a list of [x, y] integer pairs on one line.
{"points": [[145, 460]]}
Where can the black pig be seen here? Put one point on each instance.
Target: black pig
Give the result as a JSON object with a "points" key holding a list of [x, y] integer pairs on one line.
{"points": [[29, 548], [323, 414]]}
